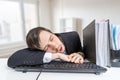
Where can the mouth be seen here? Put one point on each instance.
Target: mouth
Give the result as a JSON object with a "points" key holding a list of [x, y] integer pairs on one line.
{"points": [[60, 49]]}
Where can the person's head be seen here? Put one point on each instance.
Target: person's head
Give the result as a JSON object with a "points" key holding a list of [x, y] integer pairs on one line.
{"points": [[43, 39]]}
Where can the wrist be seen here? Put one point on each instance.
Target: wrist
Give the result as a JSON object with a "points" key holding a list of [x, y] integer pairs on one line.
{"points": [[55, 56]]}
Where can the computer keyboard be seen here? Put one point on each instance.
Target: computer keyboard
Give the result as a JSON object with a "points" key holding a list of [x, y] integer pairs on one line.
{"points": [[66, 67]]}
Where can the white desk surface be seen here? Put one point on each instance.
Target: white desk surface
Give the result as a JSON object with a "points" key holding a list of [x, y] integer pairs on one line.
{"points": [[7, 73]]}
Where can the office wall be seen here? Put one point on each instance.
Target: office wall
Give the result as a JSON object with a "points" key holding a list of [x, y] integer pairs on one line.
{"points": [[45, 13], [85, 10]]}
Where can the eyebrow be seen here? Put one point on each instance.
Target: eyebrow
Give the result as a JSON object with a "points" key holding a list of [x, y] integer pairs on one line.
{"points": [[48, 41]]}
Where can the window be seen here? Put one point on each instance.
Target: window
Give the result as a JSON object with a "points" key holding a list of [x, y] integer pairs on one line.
{"points": [[10, 22], [16, 18], [31, 18]]}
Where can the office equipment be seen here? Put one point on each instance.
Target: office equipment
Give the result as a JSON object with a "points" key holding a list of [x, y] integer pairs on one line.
{"points": [[86, 67], [89, 42], [115, 58], [107, 43], [102, 43], [64, 67], [96, 43], [114, 50], [114, 36]]}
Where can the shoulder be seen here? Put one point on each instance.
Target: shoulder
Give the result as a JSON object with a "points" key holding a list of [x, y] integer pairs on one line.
{"points": [[71, 32], [68, 34]]}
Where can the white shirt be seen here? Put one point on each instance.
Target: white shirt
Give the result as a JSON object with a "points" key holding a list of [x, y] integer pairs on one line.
{"points": [[48, 57]]}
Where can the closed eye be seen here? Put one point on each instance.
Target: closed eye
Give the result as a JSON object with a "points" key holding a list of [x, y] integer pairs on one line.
{"points": [[51, 38]]}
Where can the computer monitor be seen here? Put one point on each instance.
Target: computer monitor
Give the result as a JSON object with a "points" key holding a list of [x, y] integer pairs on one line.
{"points": [[90, 42]]}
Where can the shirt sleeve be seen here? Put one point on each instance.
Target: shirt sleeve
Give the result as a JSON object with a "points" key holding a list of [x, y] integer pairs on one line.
{"points": [[47, 57]]}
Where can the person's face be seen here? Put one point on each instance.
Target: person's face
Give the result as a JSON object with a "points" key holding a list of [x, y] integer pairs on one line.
{"points": [[49, 42]]}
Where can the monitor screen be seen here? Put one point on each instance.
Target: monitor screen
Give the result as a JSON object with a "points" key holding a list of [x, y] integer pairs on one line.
{"points": [[90, 42]]}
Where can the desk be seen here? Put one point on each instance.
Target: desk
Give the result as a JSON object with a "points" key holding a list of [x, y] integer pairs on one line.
{"points": [[7, 73]]}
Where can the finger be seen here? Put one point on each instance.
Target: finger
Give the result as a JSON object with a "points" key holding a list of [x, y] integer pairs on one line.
{"points": [[71, 55], [73, 59], [81, 60], [77, 60]]}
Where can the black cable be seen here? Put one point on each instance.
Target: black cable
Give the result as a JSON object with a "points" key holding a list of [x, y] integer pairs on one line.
{"points": [[39, 74]]}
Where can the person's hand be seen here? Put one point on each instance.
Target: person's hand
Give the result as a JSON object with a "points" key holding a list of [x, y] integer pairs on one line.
{"points": [[60, 56], [64, 57], [76, 58]]}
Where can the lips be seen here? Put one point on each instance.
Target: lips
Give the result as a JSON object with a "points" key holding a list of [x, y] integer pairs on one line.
{"points": [[60, 48]]}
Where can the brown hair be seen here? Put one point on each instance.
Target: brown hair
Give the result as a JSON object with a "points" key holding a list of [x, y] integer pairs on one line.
{"points": [[32, 38]]}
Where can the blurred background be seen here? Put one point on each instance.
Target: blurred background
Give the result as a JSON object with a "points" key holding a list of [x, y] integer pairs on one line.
{"points": [[17, 17]]}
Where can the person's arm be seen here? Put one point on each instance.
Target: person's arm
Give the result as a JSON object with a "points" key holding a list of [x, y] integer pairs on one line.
{"points": [[26, 57], [61, 56], [48, 57], [33, 57]]}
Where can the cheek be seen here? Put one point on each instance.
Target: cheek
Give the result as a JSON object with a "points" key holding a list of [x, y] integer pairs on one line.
{"points": [[51, 50]]}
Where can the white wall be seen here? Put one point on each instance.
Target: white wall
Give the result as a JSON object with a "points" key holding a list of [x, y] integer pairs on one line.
{"points": [[45, 13], [85, 10]]}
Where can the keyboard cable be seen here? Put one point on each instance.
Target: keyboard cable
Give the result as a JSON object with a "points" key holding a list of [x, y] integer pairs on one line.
{"points": [[39, 75]]}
